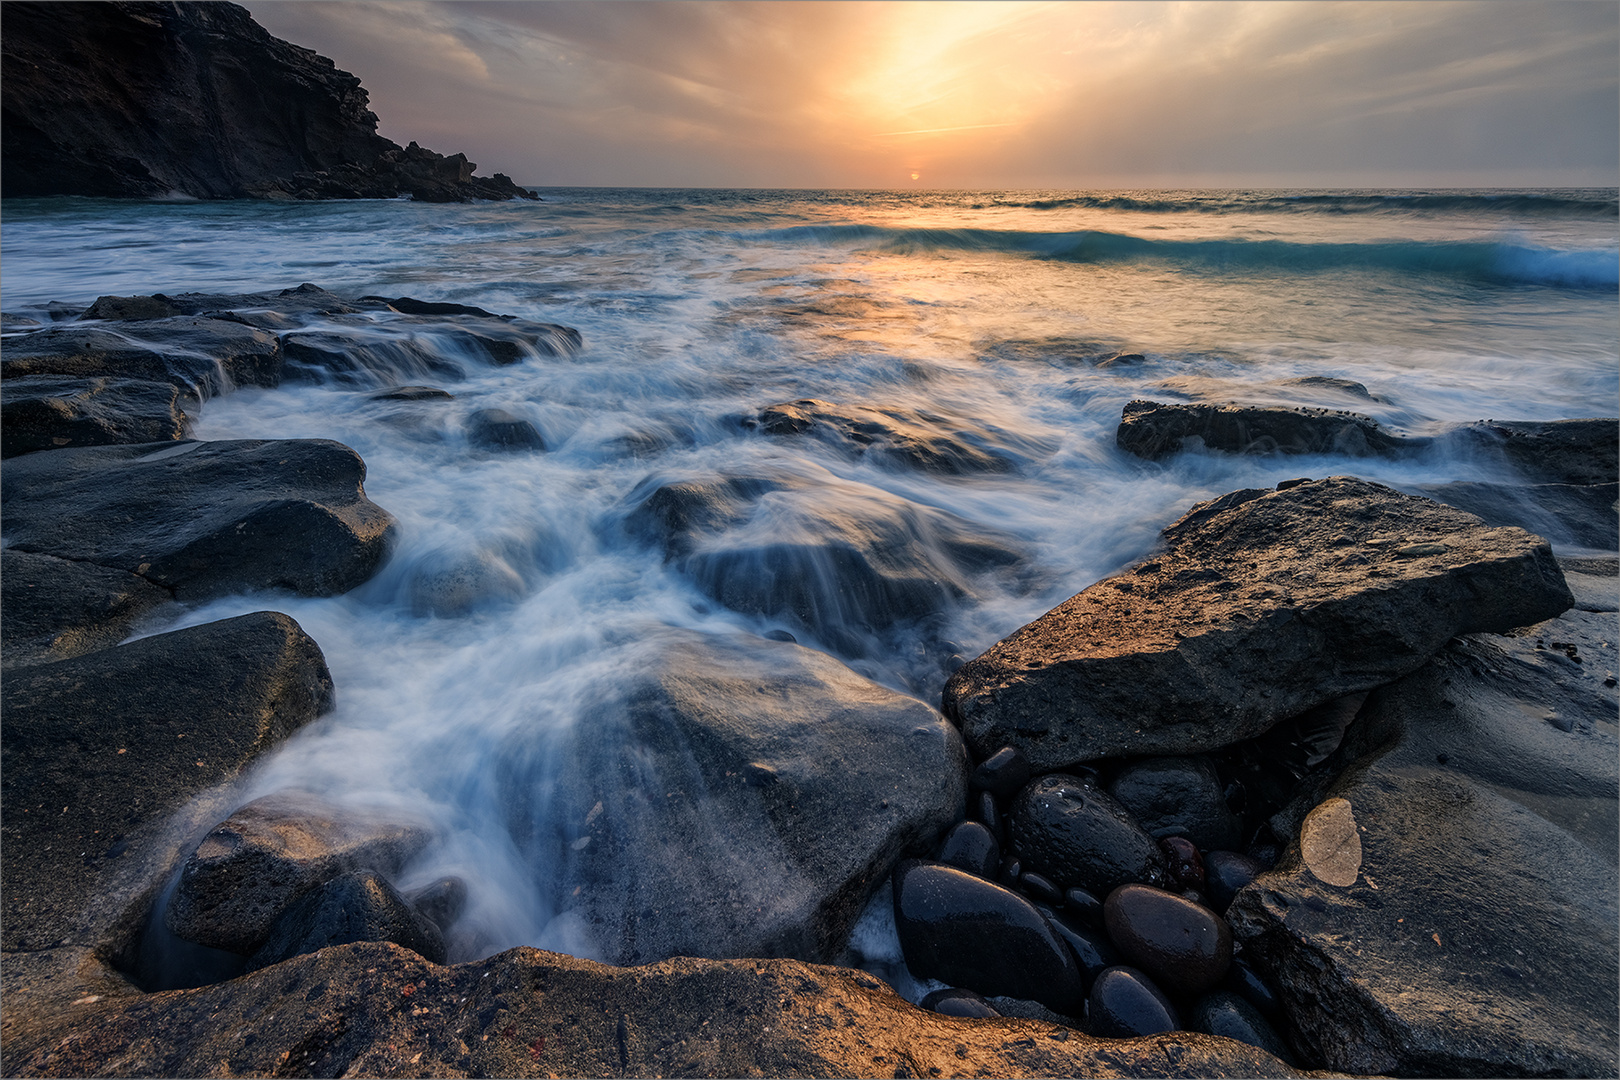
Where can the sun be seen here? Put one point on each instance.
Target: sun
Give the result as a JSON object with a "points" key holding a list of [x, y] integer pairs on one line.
{"points": [[916, 176]]}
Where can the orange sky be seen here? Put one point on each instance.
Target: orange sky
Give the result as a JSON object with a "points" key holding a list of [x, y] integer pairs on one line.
{"points": [[990, 94]]}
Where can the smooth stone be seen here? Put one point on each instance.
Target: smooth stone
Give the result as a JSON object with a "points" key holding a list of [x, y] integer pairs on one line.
{"points": [[205, 357], [1251, 613], [1039, 888], [1074, 834], [359, 905], [440, 902], [203, 518], [1231, 1017], [1002, 774], [1012, 869], [988, 814], [56, 609], [499, 429], [1183, 945], [1090, 945], [1182, 794], [1083, 906], [957, 1002], [413, 393], [1225, 872], [1125, 1002], [1242, 980], [258, 862], [969, 932], [1186, 866], [110, 756], [47, 412], [972, 847]]}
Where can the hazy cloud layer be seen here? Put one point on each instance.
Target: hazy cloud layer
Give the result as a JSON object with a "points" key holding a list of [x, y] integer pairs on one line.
{"points": [[997, 94]]}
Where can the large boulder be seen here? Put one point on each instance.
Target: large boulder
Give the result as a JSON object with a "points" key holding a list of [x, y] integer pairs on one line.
{"points": [[101, 750], [47, 413], [1554, 451], [729, 799], [1568, 515], [136, 100], [359, 905], [203, 518], [1449, 907], [56, 609], [1155, 430], [1261, 605], [205, 357], [255, 864]]}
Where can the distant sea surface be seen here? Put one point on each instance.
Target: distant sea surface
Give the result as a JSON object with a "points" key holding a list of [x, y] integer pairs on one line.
{"points": [[1000, 312]]}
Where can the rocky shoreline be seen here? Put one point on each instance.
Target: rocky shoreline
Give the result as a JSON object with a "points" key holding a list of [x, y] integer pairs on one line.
{"points": [[1331, 775]]}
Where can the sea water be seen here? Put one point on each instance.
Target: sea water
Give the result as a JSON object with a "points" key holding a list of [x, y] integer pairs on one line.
{"points": [[515, 595]]}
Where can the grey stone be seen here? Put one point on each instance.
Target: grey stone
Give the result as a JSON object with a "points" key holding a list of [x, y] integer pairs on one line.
{"points": [[55, 609], [101, 750], [46, 412], [919, 439], [1260, 606], [1554, 452], [359, 905], [662, 842], [205, 357], [499, 429], [1568, 515], [1450, 905], [203, 518], [1155, 430], [252, 866], [1178, 796]]}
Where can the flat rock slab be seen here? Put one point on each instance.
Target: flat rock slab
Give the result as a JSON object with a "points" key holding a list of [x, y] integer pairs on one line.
{"points": [[378, 1009], [1556, 451], [204, 356], [100, 750], [732, 799], [47, 412], [1156, 430], [916, 438], [1261, 605], [203, 518], [1568, 515], [1450, 907], [54, 609]]}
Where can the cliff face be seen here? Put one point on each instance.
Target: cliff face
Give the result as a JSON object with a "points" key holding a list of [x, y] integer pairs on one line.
{"points": [[142, 99]]}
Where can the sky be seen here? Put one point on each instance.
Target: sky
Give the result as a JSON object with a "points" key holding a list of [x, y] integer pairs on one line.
{"points": [[680, 93]]}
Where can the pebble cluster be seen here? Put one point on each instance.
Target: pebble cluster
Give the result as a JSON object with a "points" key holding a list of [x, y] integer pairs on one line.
{"points": [[1097, 893]]}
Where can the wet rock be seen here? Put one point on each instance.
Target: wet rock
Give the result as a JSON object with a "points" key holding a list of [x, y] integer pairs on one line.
{"points": [[363, 357], [499, 429], [1125, 1002], [1002, 774], [1083, 906], [1554, 452], [55, 609], [955, 1002], [1568, 515], [1225, 872], [356, 906], [1262, 605], [1039, 888], [1183, 945], [525, 1010], [1231, 1017], [970, 846], [132, 308], [413, 393], [1186, 867], [1450, 904], [1156, 430], [1012, 870], [1091, 948], [201, 518], [365, 348], [920, 439], [256, 863], [969, 932], [102, 750], [441, 902], [665, 842], [204, 357], [46, 412], [1076, 835], [1177, 796], [1246, 983], [987, 813]]}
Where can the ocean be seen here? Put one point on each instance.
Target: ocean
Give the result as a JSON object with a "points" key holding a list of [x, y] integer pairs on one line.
{"points": [[1022, 322]]}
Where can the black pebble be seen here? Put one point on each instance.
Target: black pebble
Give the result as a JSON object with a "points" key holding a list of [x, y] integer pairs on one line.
{"points": [[1083, 906], [971, 847], [1183, 945], [1039, 888], [1012, 868], [989, 815], [1072, 833], [1186, 866], [1090, 945], [1225, 872], [1231, 1017], [1242, 980], [955, 1002], [1003, 773], [1124, 1002]]}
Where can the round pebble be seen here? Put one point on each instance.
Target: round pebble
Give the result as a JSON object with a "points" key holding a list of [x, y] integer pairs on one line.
{"points": [[1083, 906], [1091, 947], [1178, 794], [971, 847], [1074, 834], [1242, 980], [1225, 872], [1002, 773], [1185, 864], [1182, 944], [1231, 1017], [956, 1002], [1124, 1002], [988, 814], [1039, 888]]}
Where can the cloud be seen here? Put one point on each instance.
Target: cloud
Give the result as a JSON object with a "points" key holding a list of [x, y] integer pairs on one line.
{"points": [[970, 94]]}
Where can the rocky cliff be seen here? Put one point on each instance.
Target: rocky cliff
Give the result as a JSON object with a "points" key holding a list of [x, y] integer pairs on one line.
{"points": [[145, 99]]}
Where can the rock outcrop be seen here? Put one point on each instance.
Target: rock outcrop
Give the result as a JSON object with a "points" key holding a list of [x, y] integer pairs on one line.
{"points": [[143, 100], [56, 609], [1155, 430], [47, 413], [1261, 605]]}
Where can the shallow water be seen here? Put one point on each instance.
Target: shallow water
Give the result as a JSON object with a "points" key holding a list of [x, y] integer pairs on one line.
{"points": [[520, 587]]}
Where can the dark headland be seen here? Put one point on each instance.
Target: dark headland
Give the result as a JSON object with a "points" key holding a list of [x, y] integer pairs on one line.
{"points": [[1327, 781]]}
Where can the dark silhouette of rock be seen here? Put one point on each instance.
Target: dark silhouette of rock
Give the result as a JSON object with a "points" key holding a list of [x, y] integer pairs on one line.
{"points": [[203, 518], [1232, 1017], [1557, 451], [1260, 606], [356, 906], [1155, 430], [255, 864], [501, 429], [1177, 796], [142, 100], [1568, 515], [1125, 1002], [102, 749], [203, 356], [972, 847], [1449, 907], [56, 609], [47, 413]]}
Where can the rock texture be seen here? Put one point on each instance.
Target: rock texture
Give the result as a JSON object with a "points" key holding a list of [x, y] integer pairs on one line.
{"points": [[203, 518], [203, 356], [928, 441], [1261, 605], [56, 609], [378, 1009], [732, 801], [46, 413], [1450, 908], [141, 100], [101, 750], [1155, 430]]}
